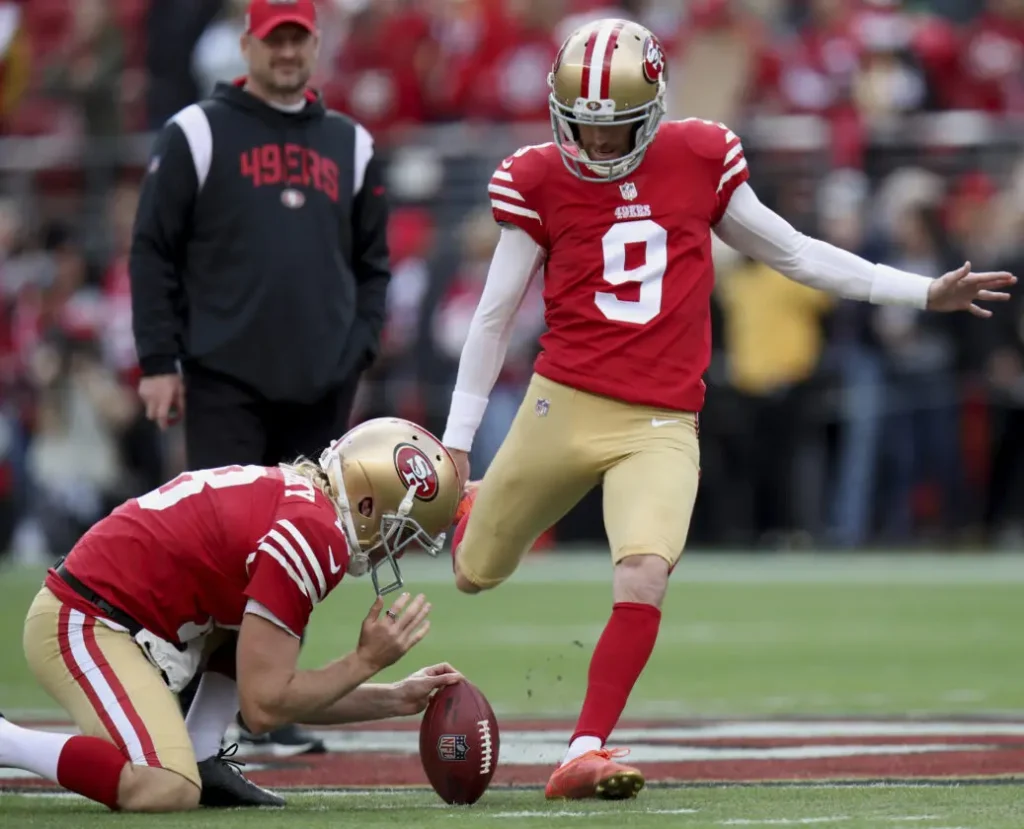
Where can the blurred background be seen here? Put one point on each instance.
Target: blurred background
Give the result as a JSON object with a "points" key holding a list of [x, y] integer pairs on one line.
{"points": [[892, 129]]}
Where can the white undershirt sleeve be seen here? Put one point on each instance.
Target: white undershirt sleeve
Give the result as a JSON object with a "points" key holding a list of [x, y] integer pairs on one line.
{"points": [[516, 258], [256, 609], [758, 232]]}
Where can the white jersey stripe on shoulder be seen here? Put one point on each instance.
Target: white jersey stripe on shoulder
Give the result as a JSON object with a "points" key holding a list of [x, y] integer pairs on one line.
{"points": [[307, 551], [498, 190], [286, 547], [731, 173], [193, 122], [597, 59], [515, 209], [92, 675], [735, 151], [275, 554], [501, 175], [364, 152]]}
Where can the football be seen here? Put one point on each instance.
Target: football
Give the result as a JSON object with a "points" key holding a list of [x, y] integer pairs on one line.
{"points": [[459, 743]]}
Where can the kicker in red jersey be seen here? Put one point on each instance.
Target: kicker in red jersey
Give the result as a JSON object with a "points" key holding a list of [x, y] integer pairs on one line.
{"points": [[189, 556], [628, 275]]}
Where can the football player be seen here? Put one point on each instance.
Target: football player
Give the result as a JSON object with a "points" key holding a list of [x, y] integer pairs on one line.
{"points": [[618, 212], [157, 591]]}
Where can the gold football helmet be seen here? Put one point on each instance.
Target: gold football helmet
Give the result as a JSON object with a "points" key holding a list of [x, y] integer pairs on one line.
{"points": [[395, 485], [607, 72]]}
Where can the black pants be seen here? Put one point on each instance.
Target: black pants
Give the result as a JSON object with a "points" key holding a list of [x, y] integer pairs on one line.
{"points": [[228, 423]]}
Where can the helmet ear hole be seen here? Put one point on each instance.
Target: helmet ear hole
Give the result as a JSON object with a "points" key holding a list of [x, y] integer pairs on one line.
{"points": [[366, 507]]}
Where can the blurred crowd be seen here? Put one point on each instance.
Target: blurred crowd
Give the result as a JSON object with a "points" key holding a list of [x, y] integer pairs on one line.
{"points": [[828, 423]]}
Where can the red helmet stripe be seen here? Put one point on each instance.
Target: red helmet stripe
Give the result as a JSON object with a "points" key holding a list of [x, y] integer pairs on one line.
{"points": [[588, 57], [606, 68]]}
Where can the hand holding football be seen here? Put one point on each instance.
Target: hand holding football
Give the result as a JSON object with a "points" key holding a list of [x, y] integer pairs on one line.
{"points": [[459, 743]]}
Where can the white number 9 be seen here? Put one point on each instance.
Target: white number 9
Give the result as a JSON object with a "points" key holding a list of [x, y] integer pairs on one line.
{"points": [[650, 274]]}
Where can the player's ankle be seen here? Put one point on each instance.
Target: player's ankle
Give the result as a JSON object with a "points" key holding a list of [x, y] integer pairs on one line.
{"points": [[580, 746]]}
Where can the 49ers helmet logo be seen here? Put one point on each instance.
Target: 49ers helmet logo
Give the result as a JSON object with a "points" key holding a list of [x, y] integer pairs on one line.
{"points": [[415, 469], [654, 60]]}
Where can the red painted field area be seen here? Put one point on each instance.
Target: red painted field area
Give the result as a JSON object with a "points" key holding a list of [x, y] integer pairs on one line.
{"points": [[728, 751]]}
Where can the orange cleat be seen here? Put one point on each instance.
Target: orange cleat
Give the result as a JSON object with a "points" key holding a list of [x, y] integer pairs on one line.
{"points": [[461, 520], [595, 774], [466, 504]]}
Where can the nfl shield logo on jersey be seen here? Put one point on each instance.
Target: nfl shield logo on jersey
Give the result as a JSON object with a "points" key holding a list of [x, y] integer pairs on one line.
{"points": [[628, 191], [541, 407], [452, 747]]}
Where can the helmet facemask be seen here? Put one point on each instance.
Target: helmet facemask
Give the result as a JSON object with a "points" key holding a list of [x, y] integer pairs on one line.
{"points": [[565, 120], [397, 530]]}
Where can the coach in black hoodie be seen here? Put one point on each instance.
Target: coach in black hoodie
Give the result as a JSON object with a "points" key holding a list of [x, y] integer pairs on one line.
{"points": [[259, 266]]}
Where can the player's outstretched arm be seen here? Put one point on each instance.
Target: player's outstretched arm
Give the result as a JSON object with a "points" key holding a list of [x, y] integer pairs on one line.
{"points": [[516, 258], [758, 232], [272, 690], [373, 701]]}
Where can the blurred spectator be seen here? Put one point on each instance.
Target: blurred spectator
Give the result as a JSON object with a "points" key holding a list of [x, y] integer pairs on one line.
{"points": [[914, 396], [773, 344], [88, 70], [991, 69], [216, 56], [722, 42], [391, 385], [15, 61], [73, 460], [843, 202], [495, 58], [173, 29], [380, 67], [478, 238], [921, 438]]}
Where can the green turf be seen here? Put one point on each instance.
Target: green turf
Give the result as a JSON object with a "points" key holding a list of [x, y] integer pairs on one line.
{"points": [[945, 807], [824, 639], [741, 635]]}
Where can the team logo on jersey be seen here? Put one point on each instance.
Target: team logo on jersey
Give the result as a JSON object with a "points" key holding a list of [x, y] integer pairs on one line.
{"points": [[628, 191], [654, 60], [542, 407], [292, 198], [452, 748], [415, 469]]}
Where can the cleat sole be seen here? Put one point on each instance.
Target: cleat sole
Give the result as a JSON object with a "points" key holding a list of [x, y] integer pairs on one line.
{"points": [[620, 786]]}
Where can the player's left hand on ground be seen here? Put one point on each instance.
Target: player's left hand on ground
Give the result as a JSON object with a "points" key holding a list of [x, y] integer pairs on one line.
{"points": [[961, 290], [414, 692]]}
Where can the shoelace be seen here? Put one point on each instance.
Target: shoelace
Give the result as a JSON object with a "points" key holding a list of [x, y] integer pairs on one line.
{"points": [[606, 753], [225, 755]]}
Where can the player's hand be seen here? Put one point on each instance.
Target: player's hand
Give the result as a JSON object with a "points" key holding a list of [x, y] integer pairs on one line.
{"points": [[164, 398], [461, 465], [384, 639], [414, 692], [960, 290]]}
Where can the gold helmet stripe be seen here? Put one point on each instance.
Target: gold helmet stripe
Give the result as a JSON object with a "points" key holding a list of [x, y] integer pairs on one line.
{"points": [[595, 80]]}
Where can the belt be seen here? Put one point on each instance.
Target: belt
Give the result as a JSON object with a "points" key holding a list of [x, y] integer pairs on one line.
{"points": [[115, 614]]}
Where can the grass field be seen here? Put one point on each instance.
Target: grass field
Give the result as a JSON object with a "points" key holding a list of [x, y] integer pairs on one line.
{"points": [[744, 638]]}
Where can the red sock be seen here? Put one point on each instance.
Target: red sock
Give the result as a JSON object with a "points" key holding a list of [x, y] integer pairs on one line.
{"points": [[618, 660], [91, 767]]}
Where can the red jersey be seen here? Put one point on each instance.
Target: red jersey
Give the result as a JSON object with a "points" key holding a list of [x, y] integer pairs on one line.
{"points": [[190, 555], [628, 275]]}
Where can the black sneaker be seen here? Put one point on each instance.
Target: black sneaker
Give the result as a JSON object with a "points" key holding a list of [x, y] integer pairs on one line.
{"points": [[286, 741], [224, 786]]}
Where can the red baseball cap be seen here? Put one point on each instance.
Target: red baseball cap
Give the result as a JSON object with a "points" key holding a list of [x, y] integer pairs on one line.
{"points": [[263, 16]]}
